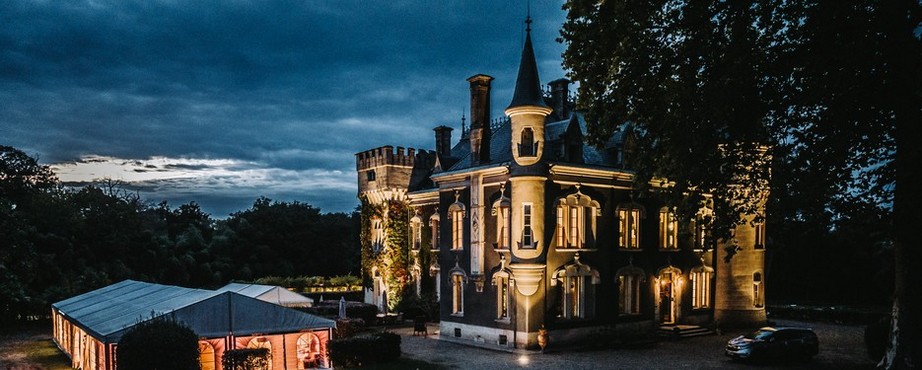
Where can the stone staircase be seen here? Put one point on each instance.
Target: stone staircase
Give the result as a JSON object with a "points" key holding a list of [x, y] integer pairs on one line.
{"points": [[676, 332]]}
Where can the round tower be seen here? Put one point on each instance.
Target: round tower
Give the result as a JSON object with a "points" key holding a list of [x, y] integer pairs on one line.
{"points": [[740, 262]]}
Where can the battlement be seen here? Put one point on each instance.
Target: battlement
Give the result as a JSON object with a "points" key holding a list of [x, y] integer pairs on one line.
{"points": [[388, 155]]}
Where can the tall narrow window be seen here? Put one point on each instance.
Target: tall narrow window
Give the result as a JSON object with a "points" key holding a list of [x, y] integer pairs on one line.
{"points": [[527, 145], [561, 228], [377, 234], [310, 355], [702, 228], [434, 225], [668, 229], [456, 213], [629, 279], [701, 286], [758, 294], [501, 208], [759, 235], [501, 280], [527, 237], [629, 226], [416, 231], [457, 294], [575, 226]]}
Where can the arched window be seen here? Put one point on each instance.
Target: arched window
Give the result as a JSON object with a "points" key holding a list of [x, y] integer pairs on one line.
{"points": [[527, 147], [458, 278], [503, 293], [758, 291], [206, 357], [434, 225], [629, 215], [668, 229], [456, 214], [262, 342], [502, 209], [629, 280], [576, 222], [701, 286], [310, 353], [577, 290]]}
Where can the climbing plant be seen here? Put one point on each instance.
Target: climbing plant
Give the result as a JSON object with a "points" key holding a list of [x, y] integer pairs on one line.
{"points": [[394, 259], [368, 211]]}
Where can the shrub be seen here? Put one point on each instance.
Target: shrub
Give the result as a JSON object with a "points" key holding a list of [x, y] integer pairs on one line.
{"points": [[365, 350], [158, 344], [875, 338], [346, 328], [246, 359]]}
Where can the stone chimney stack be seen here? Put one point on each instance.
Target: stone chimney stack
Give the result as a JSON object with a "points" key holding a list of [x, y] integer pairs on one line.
{"points": [[443, 143], [560, 93], [480, 118]]}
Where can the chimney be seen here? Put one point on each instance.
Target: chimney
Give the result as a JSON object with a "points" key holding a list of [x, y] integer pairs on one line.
{"points": [[480, 119], [560, 92], [443, 143]]}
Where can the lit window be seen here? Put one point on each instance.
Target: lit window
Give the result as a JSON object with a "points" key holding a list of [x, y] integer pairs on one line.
{"points": [[206, 357], [577, 287], [310, 355], [457, 296], [501, 209], [527, 232], [629, 216], [759, 235], [701, 286], [668, 229], [702, 228], [758, 294], [456, 214], [262, 342], [629, 279], [576, 220]]}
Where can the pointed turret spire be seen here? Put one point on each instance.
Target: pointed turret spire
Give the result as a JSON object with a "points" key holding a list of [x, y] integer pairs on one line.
{"points": [[527, 85]]}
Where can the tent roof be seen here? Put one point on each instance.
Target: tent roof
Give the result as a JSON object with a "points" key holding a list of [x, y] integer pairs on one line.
{"points": [[269, 293], [107, 313]]}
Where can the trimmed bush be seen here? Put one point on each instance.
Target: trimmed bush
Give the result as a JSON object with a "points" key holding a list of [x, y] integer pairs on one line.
{"points": [[159, 343], [365, 350], [246, 359]]}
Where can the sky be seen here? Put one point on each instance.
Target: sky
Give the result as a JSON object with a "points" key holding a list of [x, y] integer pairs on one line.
{"points": [[221, 102]]}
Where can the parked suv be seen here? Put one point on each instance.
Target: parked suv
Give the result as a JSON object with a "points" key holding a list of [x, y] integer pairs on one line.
{"points": [[774, 344]]}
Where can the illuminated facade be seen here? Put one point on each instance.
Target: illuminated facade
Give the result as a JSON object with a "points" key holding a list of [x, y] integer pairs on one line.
{"points": [[531, 226]]}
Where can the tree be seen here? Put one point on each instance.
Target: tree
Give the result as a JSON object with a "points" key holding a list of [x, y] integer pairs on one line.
{"points": [[158, 344], [834, 104]]}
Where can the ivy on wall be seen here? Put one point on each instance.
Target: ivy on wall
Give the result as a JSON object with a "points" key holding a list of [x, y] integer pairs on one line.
{"points": [[394, 259], [367, 212]]}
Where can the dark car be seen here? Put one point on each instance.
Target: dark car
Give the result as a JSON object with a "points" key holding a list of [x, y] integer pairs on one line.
{"points": [[774, 344]]}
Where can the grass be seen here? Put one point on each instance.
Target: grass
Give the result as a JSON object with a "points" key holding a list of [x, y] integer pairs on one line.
{"points": [[46, 355]]}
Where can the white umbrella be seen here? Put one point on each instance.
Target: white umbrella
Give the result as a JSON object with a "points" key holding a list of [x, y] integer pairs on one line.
{"points": [[342, 307]]}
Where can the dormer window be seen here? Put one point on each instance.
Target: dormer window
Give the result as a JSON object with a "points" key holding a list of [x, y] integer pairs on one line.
{"points": [[527, 145]]}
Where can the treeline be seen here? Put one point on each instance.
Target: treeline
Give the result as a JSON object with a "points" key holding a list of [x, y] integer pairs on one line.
{"points": [[57, 242]]}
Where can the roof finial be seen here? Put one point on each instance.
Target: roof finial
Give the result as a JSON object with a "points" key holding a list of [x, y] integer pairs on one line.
{"points": [[528, 17], [462, 123]]}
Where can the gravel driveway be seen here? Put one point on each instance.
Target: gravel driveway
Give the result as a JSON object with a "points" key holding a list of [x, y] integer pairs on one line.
{"points": [[841, 347]]}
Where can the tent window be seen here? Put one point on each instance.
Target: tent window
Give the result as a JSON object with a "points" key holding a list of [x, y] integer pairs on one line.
{"points": [[206, 358]]}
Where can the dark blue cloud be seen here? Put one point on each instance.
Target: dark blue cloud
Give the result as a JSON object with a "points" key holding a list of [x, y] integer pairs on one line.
{"points": [[294, 85]]}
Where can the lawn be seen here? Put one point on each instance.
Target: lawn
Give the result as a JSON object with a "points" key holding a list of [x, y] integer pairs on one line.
{"points": [[30, 348]]}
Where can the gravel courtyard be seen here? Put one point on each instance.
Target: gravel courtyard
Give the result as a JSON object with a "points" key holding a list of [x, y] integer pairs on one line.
{"points": [[841, 347]]}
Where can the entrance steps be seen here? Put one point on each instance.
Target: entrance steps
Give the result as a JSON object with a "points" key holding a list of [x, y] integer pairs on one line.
{"points": [[676, 332]]}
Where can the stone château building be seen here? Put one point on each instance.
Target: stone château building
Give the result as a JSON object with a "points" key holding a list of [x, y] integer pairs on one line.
{"points": [[522, 225]]}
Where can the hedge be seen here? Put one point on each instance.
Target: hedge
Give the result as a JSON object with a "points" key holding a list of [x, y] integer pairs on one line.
{"points": [[365, 350]]}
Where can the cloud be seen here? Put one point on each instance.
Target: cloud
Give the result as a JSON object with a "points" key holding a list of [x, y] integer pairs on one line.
{"points": [[290, 85]]}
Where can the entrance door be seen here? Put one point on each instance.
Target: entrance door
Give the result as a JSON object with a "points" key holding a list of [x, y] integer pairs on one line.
{"points": [[666, 299]]}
